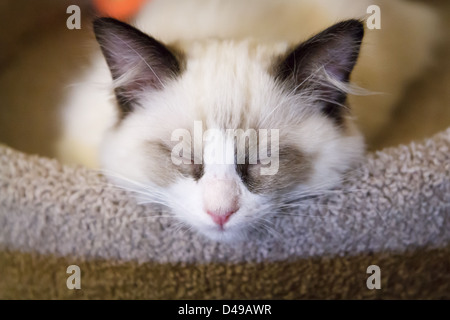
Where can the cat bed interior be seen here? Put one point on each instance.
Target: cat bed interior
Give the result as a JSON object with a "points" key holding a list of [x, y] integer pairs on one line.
{"points": [[393, 211]]}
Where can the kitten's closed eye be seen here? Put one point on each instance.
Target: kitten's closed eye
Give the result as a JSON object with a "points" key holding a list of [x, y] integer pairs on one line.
{"points": [[230, 85], [176, 162], [295, 168]]}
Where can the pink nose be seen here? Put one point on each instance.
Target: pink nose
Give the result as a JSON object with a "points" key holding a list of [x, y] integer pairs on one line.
{"points": [[219, 217]]}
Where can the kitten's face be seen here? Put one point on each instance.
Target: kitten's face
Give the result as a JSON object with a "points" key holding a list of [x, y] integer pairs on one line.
{"points": [[226, 134]]}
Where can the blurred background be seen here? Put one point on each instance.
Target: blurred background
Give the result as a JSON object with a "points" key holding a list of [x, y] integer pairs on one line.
{"points": [[39, 56]]}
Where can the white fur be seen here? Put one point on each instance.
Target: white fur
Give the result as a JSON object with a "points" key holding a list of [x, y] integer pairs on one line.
{"points": [[226, 82]]}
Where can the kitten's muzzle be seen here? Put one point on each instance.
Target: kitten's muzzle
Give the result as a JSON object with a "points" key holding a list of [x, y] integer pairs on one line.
{"points": [[221, 198]]}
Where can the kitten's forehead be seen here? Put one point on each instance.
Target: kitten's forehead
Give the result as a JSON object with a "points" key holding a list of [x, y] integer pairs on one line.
{"points": [[231, 81], [225, 85]]}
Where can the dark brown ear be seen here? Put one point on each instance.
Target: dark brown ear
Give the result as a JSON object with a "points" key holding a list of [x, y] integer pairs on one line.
{"points": [[332, 52], [137, 61]]}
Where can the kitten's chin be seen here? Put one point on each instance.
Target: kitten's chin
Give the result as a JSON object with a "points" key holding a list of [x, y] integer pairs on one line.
{"points": [[226, 235]]}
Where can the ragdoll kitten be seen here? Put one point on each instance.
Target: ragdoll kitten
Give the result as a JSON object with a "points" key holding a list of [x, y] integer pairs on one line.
{"points": [[224, 131]]}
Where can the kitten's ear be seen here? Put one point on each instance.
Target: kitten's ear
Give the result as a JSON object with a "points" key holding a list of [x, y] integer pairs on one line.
{"points": [[137, 61], [331, 53]]}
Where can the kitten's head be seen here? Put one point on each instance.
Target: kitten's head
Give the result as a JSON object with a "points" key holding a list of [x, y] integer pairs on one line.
{"points": [[229, 133]]}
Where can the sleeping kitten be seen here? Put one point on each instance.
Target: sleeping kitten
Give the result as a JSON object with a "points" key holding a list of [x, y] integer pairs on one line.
{"points": [[224, 131]]}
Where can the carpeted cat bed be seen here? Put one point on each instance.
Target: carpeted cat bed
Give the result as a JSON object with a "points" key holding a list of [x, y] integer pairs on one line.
{"points": [[393, 212]]}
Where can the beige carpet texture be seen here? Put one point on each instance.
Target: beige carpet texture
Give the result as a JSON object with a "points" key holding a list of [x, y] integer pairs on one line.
{"points": [[393, 211]]}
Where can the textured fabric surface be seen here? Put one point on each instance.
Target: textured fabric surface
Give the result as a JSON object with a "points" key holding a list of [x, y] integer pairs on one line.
{"points": [[394, 209], [422, 274]]}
